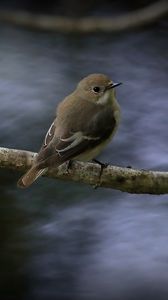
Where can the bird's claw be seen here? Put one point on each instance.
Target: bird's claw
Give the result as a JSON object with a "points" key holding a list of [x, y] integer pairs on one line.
{"points": [[103, 166]]}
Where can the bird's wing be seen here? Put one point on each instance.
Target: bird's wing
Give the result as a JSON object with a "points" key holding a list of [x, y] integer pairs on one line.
{"points": [[49, 135], [97, 130], [70, 144]]}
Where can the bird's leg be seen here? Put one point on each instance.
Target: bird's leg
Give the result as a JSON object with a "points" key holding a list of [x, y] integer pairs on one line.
{"points": [[103, 166], [69, 164]]}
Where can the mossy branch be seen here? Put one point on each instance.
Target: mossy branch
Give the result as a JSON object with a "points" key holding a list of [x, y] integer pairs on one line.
{"points": [[137, 18], [123, 179]]}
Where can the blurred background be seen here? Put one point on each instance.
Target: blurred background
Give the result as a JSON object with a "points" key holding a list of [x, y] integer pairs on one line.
{"points": [[61, 240], [74, 7]]}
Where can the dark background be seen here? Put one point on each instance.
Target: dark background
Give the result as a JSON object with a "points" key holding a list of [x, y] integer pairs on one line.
{"points": [[74, 7], [61, 240]]}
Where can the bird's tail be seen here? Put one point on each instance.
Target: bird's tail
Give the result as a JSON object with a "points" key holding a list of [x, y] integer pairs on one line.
{"points": [[30, 176]]}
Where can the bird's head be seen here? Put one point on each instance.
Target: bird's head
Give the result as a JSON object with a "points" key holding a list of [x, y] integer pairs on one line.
{"points": [[97, 88]]}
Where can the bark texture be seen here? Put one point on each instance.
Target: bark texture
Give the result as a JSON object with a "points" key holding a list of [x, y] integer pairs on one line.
{"points": [[123, 179]]}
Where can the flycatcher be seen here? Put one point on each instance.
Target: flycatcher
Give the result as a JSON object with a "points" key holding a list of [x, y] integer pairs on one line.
{"points": [[85, 122]]}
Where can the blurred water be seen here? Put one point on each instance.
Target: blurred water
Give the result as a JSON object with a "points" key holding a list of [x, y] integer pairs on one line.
{"points": [[61, 240]]}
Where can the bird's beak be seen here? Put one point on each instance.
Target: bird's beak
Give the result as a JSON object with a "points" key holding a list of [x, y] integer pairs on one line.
{"points": [[113, 85]]}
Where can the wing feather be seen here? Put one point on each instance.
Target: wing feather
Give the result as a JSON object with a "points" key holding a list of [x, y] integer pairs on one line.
{"points": [[71, 144], [49, 135]]}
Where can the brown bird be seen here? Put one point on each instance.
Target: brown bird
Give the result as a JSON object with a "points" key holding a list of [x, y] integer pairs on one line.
{"points": [[85, 122]]}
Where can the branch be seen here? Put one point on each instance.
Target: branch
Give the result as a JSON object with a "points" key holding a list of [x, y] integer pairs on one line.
{"points": [[123, 179], [142, 16]]}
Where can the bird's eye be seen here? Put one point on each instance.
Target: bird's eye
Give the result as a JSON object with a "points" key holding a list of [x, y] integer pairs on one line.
{"points": [[96, 89]]}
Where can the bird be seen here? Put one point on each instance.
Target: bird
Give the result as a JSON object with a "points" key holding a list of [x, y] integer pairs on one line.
{"points": [[85, 122]]}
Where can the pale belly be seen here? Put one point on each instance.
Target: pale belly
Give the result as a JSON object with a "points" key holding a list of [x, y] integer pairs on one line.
{"points": [[91, 154]]}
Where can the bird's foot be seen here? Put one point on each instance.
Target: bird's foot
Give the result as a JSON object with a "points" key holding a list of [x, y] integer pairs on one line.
{"points": [[68, 166], [103, 166]]}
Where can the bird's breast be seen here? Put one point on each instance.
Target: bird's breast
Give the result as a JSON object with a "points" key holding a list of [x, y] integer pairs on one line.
{"points": [[109, 132]]}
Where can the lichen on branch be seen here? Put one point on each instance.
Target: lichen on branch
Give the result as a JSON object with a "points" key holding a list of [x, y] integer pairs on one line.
{"points": [[123, 179]]}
